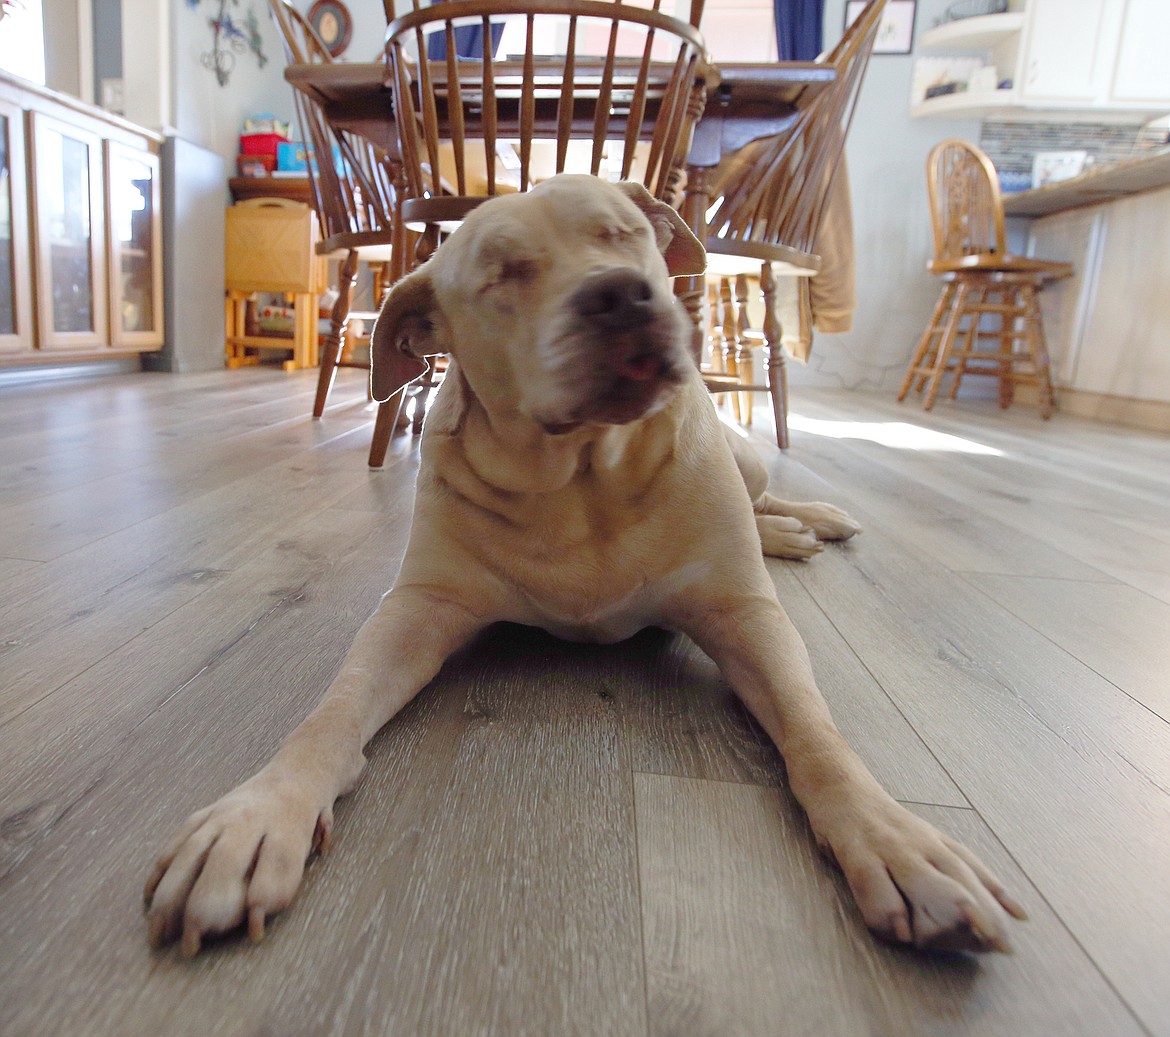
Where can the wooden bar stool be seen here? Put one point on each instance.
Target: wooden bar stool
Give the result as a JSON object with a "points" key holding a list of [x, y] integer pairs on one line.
{"points": [[983, 284]]}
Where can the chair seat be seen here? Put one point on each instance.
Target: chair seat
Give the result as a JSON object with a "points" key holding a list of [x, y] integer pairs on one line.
{"points": [[445, 211], [726, 256], [1000, 263], [372, 246], [723, 265]]}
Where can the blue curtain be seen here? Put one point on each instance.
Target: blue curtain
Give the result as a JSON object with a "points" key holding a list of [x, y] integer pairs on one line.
{"points": [[798, 29], [468, 41]]}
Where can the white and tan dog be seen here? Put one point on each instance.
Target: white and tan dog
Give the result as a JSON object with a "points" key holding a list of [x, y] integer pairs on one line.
{"points": [[574, 477]]}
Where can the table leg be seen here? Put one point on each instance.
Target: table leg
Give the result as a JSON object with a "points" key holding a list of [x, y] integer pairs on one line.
{"points": [[691, 291]]}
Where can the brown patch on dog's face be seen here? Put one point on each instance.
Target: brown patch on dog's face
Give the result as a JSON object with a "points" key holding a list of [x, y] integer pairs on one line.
{"points": [[561, 306]]}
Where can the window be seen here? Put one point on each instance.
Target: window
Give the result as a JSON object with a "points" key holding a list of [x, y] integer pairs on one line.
{"points": [[22, 40]]}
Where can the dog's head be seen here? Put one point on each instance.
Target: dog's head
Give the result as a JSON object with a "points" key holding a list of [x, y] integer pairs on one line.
{"points": [[556, 304]]}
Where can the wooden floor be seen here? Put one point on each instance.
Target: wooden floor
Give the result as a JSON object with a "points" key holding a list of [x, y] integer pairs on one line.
{"points": [[558, 839]]}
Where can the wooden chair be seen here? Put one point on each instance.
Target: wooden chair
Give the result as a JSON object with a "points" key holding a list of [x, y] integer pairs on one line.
{"points": [[772, 198], [980, 279], [630, 80], [355, 189]]}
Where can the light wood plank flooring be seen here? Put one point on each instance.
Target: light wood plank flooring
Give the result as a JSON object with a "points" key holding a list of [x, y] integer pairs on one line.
{"points": [[558, 839]]}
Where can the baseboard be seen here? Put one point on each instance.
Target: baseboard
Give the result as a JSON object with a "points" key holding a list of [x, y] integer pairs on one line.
{"points": [[24, 374], [1152, 415]]}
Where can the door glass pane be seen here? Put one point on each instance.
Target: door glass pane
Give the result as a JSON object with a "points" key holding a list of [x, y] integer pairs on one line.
{"points": [[64, 168], [7, 287], [132, 207]]}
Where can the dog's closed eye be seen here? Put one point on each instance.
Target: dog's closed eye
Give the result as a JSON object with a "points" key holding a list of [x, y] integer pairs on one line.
{"points": [[509, 272], [614, 234]]}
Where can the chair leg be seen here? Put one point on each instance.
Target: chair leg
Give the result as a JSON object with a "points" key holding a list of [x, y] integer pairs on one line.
{"points": [[946, 344], [384, 425], [334, 342], [922, 352], [1034, 328], [974, 306], [715, 325], [743, 350], [1012, 299], [777, 359], [730, 337]]}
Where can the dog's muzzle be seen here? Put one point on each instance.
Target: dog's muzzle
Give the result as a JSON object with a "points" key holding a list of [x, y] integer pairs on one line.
{"points": [[618, 353], [620, 303]]}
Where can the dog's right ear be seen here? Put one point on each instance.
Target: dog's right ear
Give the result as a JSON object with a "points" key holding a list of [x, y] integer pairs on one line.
{"points": [[683, 252], [404, 333]]}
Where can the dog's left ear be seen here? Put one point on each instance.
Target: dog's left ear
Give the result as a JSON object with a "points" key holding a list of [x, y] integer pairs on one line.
{"points": [[684, 253], [405, 332]]}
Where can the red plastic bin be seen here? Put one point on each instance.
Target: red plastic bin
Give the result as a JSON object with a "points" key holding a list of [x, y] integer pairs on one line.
{"points": [[260, 143]]}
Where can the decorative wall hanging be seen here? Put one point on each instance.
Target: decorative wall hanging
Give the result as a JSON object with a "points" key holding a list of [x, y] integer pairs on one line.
{"points": [[331, 21], [895, 33], [230, 38]]}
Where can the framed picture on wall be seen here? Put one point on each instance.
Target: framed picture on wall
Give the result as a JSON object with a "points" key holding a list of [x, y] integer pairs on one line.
{"points": [[331, 21], [895, 34]]}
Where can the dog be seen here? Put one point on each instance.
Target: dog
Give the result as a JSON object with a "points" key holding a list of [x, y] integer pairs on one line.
{"points": [[574, 476]]}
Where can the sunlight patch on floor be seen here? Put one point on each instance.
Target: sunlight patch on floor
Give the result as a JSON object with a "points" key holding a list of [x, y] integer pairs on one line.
{"points": [[900, 435]]}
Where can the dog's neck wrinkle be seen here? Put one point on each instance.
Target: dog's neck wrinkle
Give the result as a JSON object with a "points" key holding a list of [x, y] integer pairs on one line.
{"points": [[512, 454]]}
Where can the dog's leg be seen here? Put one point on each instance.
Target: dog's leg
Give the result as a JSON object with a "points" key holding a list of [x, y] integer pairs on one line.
{"points": [[787, 529], [911, 883], [242, 858], [826, 520]]}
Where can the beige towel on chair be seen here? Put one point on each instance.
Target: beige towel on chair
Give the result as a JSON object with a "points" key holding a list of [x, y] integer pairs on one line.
{"points": [[824, 303]]}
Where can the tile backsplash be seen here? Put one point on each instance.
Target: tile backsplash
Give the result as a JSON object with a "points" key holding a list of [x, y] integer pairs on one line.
{"points": [[1011, 146]]}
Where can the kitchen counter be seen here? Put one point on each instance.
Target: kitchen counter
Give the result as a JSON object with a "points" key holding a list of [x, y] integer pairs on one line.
{"points": [[1102, 183]]}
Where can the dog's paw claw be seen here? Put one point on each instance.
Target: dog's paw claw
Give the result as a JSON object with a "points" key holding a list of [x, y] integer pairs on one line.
{"points": [[916, 886], [256, 918], [234, 864]]}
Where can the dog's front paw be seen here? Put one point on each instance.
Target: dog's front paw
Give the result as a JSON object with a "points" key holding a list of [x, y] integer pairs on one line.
{"points": [[785, 537], [915, 885], [829, 522], [239, 860]]}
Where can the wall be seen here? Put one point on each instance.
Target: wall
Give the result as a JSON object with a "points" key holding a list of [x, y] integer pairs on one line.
{"points": [[211, 115], [62, 71], [886, 154]]}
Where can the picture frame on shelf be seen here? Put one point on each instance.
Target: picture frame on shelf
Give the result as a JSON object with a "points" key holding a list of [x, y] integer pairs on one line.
{"points": [[895, 34]]}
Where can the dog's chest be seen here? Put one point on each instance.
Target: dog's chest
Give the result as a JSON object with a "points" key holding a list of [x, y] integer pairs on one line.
{"points": [[594, 561], [607, 618]]}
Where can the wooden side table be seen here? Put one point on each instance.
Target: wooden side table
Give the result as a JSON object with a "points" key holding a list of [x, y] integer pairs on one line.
{"points": [[271, 248]]}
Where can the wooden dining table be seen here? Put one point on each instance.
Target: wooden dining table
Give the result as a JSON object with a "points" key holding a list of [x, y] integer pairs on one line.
{"points": [[745, 102]]}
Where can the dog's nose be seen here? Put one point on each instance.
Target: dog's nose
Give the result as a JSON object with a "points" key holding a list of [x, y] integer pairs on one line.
{"points": [[615, 300]]}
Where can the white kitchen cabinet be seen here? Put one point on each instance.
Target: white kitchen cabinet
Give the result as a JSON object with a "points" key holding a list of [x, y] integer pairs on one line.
{"points": [[1065, 50], [1141, 73], [1072, 237], [1083, 60]]}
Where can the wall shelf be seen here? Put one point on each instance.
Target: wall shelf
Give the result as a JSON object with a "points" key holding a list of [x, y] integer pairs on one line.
{"points": [[980, 33]]}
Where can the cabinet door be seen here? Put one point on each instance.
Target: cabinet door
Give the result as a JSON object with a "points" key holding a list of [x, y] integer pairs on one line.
{"points": [[70, 236], [1124, 351], [1064, 55], [1142, 72], [15, 275], [1072, 237], [135, 233]]}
